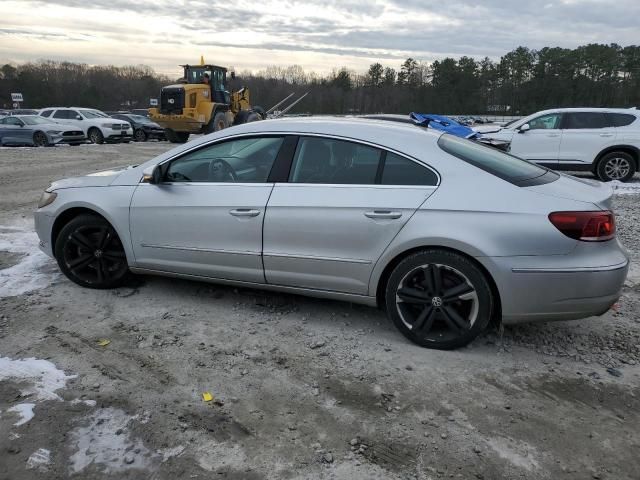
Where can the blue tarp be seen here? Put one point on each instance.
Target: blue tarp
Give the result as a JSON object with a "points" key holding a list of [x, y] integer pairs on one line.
{"points": [[444, 124]]}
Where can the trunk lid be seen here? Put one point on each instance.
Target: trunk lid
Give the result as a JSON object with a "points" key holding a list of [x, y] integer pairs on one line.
{"points": [[579, 189]]}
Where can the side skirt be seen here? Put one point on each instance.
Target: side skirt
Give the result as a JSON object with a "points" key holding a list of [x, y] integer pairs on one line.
{"points": [[308, 292]]}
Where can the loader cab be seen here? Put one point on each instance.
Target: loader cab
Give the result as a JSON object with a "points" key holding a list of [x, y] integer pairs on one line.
{"points": [[217, 76]]}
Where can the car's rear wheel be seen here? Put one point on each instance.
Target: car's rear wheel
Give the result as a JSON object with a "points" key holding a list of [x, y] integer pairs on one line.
{"points": [[95, 135], [90, 253], [439, 299], [616, 166], [140, 135], [40, 139]]}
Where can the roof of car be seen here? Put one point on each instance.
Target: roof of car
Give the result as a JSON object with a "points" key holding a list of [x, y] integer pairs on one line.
{"points": [[631, 111]]}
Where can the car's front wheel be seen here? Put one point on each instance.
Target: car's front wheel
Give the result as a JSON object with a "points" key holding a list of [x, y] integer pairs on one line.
{"points": [[616, 166], [95, 135], [90, 253], [439, 299], [40, 139]]}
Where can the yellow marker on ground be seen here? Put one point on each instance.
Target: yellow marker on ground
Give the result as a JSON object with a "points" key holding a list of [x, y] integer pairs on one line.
{"points": [[207, 397], [103, 342]]}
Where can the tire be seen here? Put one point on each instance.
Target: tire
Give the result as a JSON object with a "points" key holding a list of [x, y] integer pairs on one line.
{"points": [[182, 137], [95, 136], [140, 135], [40, 139], [219, 121], [90, 253], [616, 166], [260, 111], [458, 312]]}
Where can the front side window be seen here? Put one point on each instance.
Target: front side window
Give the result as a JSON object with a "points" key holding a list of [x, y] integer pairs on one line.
{"points": [[93, 114], [46, 113], [399, 170], [491, 160], [331, 161], [11, 121], [583, 120], [545, 122], [246, 160], [65, 114]]}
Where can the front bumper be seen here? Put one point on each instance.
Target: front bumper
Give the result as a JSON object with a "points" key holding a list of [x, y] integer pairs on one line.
{"points": [[118, 136], [43, 226], [72, 139]]}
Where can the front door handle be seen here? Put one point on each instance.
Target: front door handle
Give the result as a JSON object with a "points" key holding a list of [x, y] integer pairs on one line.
{"points": [[553, 134], [383, 214], [606, 134], [244, 212]]}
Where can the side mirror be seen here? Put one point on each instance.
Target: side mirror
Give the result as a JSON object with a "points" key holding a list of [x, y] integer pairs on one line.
{"points": [[152, 175], [233, 75], [524, 128], [78, 117]]}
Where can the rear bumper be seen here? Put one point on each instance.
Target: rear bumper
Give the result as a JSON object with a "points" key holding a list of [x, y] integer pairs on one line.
{"points": [[547, 288]]}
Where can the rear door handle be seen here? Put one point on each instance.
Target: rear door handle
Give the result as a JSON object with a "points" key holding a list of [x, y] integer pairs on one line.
{"points": [[244, 212], [606, 134], [383, 214], [553, 134]]}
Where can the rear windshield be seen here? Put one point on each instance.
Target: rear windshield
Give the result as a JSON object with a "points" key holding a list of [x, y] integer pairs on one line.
{"points": [[502, 165]]}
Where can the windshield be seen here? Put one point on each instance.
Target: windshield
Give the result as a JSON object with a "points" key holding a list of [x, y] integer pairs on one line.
{"points": [[510, 123], [503, 165], [139, 119], [93, 114], [33, 120]]}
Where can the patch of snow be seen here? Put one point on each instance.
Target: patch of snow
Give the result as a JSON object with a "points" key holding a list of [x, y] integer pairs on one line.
{"points": [[625, 188], [30, 273], [167, 453], [40, 459], [213, 456], [90, 403], [25, 410], [517, 453], [106, 441], [45, 378]]}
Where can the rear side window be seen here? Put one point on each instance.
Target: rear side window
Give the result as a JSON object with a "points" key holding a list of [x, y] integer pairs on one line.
{"points": [[332, 161], [620, 119], [46, 113], [583, 120], [502, 165], [398, 170]]}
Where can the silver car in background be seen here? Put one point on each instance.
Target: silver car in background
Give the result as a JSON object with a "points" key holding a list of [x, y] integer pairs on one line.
{"points": [[444, 233], [34, 130]]}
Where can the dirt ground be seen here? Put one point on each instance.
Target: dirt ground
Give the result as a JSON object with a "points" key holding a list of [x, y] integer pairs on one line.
{"points": [[302, 388]]}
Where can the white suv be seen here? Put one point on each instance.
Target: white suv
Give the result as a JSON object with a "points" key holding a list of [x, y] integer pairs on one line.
{"points": [[605, 141], [97, 125]]}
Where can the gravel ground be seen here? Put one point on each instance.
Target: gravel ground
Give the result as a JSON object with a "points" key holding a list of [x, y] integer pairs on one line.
{"points": [[302, 388]]}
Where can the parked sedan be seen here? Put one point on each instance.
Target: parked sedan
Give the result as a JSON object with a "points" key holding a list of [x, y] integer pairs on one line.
{"points": [[143, 128], [443, 232], [37, 131]]}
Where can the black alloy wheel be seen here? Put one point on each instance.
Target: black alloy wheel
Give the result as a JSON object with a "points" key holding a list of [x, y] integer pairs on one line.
{"points": [[90, 253], [140, 135], [439, 299], [40, 139]]}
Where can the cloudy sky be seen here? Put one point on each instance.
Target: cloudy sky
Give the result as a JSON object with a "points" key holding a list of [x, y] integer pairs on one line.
{"points": [[318, 34]]}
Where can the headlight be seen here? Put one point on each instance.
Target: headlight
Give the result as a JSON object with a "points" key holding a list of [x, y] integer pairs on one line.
{"points": [[54, 132], [107, 125], [47, 198]]}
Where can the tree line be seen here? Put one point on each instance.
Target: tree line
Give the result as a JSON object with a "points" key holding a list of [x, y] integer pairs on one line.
{"points": [[521, 82]]}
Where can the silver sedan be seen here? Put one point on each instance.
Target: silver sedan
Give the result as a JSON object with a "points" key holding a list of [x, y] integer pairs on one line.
{"points": [[442, 232]]}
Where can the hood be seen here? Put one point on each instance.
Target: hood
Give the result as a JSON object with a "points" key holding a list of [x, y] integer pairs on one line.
{"points": [[102, 178], [581, 189], [488, 129]]}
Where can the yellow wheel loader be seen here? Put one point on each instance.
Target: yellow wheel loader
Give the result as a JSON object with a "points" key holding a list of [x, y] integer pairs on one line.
{"points": [[200, 103]]}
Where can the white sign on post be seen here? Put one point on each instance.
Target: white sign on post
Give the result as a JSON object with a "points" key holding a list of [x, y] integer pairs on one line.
{"points": [[16, 97], [153, 102]]}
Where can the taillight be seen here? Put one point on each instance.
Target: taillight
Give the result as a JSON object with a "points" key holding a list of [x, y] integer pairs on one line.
{"points": [[585, 226]]}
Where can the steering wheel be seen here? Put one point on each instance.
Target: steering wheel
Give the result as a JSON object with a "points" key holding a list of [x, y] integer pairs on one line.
{"points": [[220, 169]]}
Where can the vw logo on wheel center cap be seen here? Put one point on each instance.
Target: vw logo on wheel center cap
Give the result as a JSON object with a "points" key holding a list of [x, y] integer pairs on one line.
{"points": [[436, 301]]}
